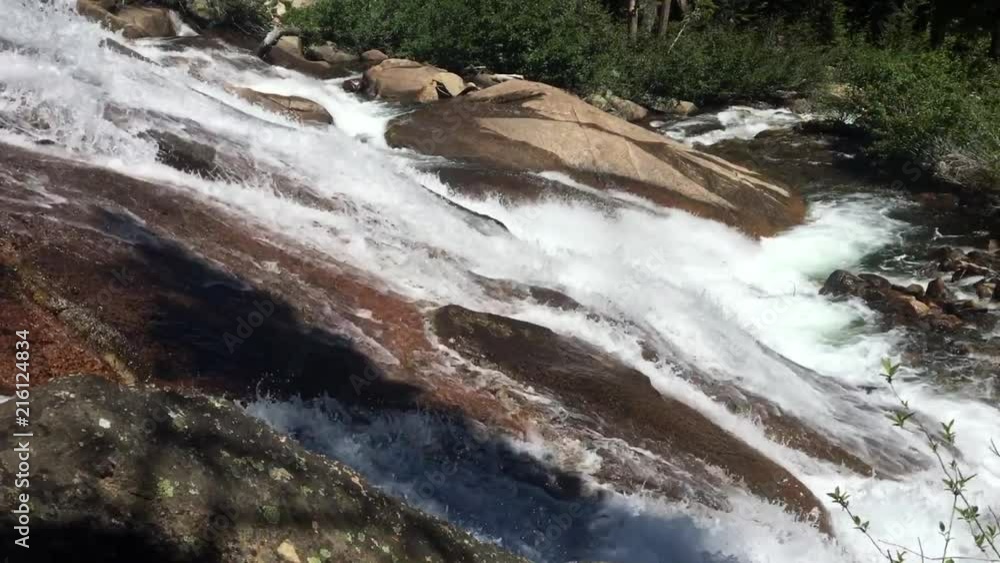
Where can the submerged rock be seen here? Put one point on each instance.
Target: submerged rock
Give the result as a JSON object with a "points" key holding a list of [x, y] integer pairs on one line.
{"points": [[184, 154], [528, 126], [294, 107], [123, 474], [623, 402]]}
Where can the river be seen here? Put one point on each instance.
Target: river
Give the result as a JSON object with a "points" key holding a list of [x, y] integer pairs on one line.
{"points": [[746, 312]]}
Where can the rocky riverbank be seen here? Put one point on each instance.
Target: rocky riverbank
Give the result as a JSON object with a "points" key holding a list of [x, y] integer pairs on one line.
{"points": [[123, 473]]}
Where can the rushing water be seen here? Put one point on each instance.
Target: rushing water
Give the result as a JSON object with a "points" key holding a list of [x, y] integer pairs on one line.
{"points": [[711, 293]]}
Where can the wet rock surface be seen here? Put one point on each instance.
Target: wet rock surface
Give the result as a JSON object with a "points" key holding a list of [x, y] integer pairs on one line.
{"points": [[623, 402], [146, 474], [531, 127]]}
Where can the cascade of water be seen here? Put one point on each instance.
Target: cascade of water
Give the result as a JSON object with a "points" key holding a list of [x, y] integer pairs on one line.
{"points": [[734, 308]]}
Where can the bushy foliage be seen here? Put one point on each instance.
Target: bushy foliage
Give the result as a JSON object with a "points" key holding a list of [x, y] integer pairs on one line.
{"points": [[939, 108], [720, 64], [250, 16], [549, 40], [932, 107]]}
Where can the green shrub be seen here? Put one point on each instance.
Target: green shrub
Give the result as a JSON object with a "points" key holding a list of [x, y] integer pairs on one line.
{"points": [[719, 64], [549, 40], [932, 107]]}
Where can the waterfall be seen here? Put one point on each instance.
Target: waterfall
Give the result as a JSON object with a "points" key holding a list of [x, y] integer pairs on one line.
{"points": [[745, 313]]}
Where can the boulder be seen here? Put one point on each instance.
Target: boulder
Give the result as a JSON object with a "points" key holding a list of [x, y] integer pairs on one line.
{"points": [[532, 127], [842, 282], [373, 56], [287, 53], [937, 290], [124, 474], [331, 54], [294, 107], [134, 22], [679, 108], [152, 21], [898, 305], [986, 289], [352, 86], [408, 81], [626, 109]]}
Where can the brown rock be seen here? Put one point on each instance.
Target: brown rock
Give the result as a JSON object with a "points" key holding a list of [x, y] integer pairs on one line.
{"points": [[937, 291], [681, 108], [353, 85], [184, 154], [287, 53], [627, 110], [945, 255], [945, 323], [373, 56], [842, 282], [151, 21], [965, 269], [403, 80], [292, 106], [876, 281], [985, 289], [528, 126], [913, 289], [625, 404], [911, 306], [332, 55]]}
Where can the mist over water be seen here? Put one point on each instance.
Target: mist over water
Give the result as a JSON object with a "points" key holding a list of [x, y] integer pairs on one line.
{"points": [[744, 312]]}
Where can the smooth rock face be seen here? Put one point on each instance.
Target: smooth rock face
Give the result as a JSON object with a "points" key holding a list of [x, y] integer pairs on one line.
{"points": [[408, 81], [292, 106], [123, 474], [528, 126], [627, 405]]}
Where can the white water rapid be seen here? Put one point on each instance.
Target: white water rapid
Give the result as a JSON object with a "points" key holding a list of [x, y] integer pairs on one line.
{"points": [[723, 302]]}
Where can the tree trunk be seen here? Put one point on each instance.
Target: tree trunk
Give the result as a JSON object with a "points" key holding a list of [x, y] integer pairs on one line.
{"points": [[995, 42], [647, 16], [633, 19], [940, 17], [684, 6], [664, 18]]}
